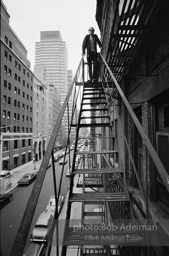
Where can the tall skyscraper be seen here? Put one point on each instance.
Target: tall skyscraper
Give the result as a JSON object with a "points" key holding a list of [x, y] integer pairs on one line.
{"points": [[51, 52]]}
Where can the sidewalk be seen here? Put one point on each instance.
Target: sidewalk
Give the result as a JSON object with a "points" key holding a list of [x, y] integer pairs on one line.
{"points": [[17, 174]]}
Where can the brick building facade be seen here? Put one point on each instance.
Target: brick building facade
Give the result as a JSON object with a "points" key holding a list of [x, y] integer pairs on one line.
{"points": [[145, 83]]}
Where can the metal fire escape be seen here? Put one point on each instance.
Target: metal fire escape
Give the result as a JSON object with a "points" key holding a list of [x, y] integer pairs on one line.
{"points": [[99, 197]]}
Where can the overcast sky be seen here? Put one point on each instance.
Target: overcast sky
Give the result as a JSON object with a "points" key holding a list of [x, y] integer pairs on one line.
{"points": [[71, 17]]}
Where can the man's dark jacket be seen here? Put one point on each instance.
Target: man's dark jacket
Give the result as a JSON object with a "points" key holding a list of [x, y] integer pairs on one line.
{"points": [[86, 43]]}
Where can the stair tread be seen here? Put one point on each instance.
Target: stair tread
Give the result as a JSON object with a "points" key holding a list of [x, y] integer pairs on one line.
{"points": [[95, 103], [94, 117], [97, 196], [97, 109], [96, 152], [94, 124], [94, 213], [94, 98], [97, 170]]}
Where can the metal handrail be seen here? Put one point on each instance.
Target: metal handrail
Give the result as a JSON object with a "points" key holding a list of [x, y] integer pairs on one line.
{"points": [[23, 231], [160, 167]]}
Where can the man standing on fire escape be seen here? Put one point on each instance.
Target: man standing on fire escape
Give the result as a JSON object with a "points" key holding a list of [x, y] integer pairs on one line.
{"points": [[90, 43]]}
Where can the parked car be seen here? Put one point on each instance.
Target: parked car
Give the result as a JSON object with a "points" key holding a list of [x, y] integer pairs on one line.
{"points": [[51, 205], [43, 228], [62, 161], [4, 173], [27, 179], [4, 199]]}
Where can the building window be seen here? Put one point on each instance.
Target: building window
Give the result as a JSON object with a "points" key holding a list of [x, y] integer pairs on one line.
{"points": [[31, 109], [15, 103], [5, 145], [4, 113], [10, 44], [27, 96], [16, 77], [27, 129], [4, 99], [10, 58], [23, 129], [23, 82], [18, 117], [9, 115], [18, 129], [9, 86], [23, 94], [9, 100], [19, 79], [23, 159], [29, 142], [5, 164], [23, 106], [14, 116], [15, 89], [10, 72], [27, 119], [29, 156], [6, 40], [15, 161], [23, 143], [8, 128], [19, 67], [5, 69], [27, 108], [14, 128], [15, 144], [30, 129], [5, 55], [23, 71], [28, 75], [5, 83], [19, 91], [23, 118], [19, 104]]}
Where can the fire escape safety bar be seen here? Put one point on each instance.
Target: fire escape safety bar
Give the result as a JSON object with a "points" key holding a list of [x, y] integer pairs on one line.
{"points": [[160, 167], [25, 225]]}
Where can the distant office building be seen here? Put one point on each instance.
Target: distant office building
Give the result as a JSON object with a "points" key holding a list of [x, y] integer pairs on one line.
{"points": [[53, 103], [51, 52], [40, 119], [54, 110], [16, 116]]}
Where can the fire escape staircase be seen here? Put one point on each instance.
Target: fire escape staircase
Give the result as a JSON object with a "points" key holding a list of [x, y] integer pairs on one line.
{"points": [[100, 188], [98, 199]]}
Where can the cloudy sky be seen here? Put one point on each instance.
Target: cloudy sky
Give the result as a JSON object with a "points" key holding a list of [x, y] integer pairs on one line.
{"points": [[71, 17]]}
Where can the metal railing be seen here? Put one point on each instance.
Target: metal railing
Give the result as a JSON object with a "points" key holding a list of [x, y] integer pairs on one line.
{"points": [[22, 234], [116, 99]]}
